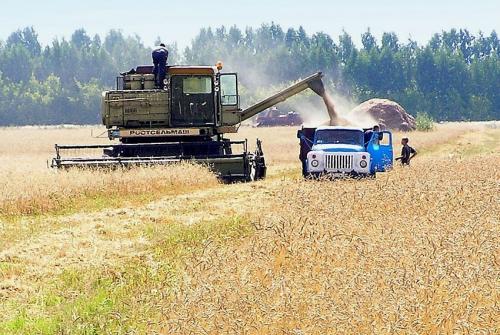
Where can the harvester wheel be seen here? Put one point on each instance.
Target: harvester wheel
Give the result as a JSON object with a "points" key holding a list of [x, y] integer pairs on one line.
{"points": [[256, 168]]}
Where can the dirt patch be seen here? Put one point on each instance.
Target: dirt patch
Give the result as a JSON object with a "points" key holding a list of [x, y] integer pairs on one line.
{"points": [[389, 114]]}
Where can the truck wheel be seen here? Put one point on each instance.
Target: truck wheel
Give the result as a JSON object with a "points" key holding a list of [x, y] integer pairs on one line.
{"points": [[311, 176]]}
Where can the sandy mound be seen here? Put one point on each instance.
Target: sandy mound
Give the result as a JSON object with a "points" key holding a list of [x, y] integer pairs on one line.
{"points": [[390, 114]]}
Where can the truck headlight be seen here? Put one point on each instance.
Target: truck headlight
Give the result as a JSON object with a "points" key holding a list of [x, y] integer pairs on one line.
{"points": [[314, 163], [363, 163]]}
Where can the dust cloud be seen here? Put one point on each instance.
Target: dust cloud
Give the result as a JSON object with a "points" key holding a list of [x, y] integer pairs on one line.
{"points": [[332, 109]]}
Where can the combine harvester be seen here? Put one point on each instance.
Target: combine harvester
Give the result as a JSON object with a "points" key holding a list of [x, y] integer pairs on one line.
{"points": [[183, 121]]}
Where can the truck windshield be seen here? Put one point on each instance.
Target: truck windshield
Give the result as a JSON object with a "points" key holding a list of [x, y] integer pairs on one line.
{"points": [[339, 136]]}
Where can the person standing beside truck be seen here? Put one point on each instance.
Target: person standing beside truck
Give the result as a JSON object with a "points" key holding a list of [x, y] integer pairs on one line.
{"points": [[407, 152], [160, 57]]}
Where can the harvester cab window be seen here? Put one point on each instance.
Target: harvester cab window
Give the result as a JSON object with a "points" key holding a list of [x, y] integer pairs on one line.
{"points": [[229, 89], [197, 85], [192, 101]]}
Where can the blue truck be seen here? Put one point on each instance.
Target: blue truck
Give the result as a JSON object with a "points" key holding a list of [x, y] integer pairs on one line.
{"points": [[344, 151]]}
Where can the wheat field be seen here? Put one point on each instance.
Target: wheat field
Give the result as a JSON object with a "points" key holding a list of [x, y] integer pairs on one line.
{"points": [[169, 250]]}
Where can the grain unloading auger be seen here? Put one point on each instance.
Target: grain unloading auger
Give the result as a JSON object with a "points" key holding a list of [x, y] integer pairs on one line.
{"points": [[183, 121]]}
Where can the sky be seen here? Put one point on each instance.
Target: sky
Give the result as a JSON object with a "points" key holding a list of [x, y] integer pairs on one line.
{"points": [[179, 21]]}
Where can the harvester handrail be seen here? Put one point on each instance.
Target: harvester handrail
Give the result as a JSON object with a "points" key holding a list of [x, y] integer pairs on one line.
{"points": [[103, 146], [124, 161], [84, 146], [149, 158], [129, 99], [182, 156]]}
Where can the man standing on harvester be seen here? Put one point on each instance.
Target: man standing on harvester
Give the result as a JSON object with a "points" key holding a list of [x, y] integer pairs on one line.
{"points": [[160, 56]]}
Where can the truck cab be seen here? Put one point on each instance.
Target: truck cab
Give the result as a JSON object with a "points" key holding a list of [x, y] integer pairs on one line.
{"points": [[344, 151]]}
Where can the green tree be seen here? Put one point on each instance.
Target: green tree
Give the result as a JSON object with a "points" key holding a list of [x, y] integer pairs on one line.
{"points": [[369, 41], [455, 76]]}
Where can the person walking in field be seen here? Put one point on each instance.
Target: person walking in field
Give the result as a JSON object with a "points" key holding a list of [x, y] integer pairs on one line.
{"points": [[160, 56], [407, 152]]}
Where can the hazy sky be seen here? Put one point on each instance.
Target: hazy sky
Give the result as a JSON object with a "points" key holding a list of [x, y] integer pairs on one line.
{"points": [[176, 20]]}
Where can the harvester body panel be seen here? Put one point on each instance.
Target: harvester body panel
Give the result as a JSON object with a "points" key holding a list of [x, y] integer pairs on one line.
{"points": [[136, 108]]}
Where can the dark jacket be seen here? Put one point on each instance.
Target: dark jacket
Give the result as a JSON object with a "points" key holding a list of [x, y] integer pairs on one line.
{"points": [[160, 56], [406, 153]]}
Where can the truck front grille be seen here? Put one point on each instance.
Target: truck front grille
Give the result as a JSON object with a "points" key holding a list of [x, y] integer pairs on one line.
{"points": [[339, 162]]}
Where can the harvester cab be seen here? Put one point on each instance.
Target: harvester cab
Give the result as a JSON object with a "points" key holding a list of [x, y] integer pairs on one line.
{"points": [[186, 119]]}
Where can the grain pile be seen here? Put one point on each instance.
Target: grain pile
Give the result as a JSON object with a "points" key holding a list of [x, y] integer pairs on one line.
{"points": [[389, 114]]}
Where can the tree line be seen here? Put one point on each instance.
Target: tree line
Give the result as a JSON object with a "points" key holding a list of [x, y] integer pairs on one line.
{"points": [[455, 76]]}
